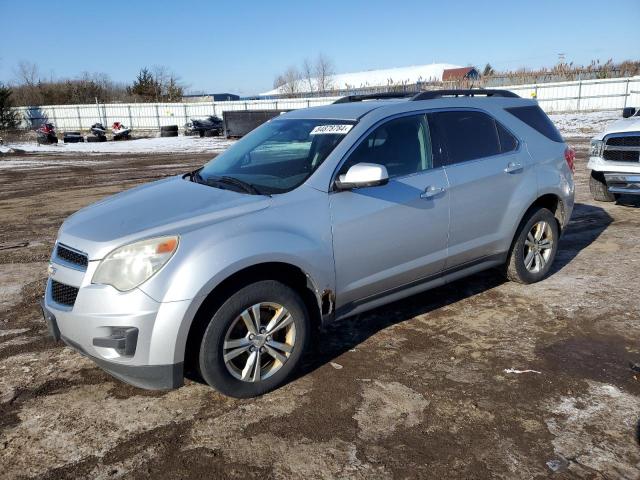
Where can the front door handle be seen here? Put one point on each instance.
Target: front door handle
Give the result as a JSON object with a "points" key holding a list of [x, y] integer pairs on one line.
{"points": [[513, 167], [431, 192]]}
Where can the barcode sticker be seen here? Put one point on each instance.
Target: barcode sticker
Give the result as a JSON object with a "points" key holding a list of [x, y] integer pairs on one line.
{"points": [[331, 129]]}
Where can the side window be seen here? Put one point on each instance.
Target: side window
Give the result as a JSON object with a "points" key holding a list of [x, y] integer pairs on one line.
{"points": [[537, 119], [508, 143], [467, 135], [402, 145]]}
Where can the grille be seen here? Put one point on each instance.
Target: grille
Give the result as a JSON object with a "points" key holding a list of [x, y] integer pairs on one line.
{"points": [[72, 256], [618, 156], [633, 141], [623, 148], [63, 294]]}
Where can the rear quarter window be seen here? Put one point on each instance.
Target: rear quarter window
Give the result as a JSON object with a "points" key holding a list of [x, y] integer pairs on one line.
{"points": [[533, 116]]}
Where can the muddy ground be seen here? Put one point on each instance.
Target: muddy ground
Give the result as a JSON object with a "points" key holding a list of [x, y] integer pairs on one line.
{"points": [[421, 388]]}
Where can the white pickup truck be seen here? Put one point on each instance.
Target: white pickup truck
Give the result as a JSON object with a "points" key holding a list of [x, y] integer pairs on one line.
{"points": [[614, 159]]}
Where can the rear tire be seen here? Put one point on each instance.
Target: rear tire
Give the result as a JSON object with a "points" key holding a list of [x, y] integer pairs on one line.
{"points": [[169, 133], [534, 248], [169, 128], [599, 189], [222, 365]]}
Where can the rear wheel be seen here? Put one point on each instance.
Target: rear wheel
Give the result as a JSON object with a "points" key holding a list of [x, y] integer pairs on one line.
{"points": [[255, 340], [599, 189], [534, 248]]}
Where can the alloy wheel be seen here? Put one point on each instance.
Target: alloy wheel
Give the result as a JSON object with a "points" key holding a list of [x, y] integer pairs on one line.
{"points": [[259, 342], [538, 246]]}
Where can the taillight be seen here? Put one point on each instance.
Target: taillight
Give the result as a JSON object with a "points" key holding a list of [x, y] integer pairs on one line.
{"points": [[570, 157]]}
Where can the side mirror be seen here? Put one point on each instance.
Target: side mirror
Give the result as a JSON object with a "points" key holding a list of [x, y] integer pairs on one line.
{"points": [[628, 112], [363, 175]]}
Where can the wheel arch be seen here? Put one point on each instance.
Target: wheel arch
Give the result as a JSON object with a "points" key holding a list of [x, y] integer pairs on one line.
{"points": [[319, 304], [551, 202]]}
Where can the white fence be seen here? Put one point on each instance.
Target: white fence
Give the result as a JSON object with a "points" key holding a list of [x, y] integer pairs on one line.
{"points": [[607, 94], [584, 95], [150, 116]]}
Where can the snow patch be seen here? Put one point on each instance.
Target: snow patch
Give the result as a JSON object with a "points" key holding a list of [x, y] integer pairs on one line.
{"points": [[179, 144], [584, 124]]}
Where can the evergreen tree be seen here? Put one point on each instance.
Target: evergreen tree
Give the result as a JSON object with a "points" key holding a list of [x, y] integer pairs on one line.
{"points": [[145, 86], [488, 70], [8, 116]]}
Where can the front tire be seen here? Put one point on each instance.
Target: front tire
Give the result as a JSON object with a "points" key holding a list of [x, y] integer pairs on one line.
{"points": [[534, 248], [599, 189], [255, 341]]}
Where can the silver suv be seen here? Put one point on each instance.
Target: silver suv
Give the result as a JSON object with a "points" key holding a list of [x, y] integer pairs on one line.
{"points": [[317, 215]]}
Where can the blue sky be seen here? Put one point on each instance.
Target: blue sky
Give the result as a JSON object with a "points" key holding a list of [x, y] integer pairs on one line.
{"points": [[240, 46]]}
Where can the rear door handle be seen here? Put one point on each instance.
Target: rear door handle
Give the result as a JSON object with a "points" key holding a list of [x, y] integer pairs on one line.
{"points": [[431, 192], [513, 167]]}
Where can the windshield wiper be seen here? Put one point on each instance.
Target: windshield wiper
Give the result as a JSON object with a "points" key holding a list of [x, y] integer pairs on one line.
{"points": [[212, 181], [194, 176], [246, 186]]}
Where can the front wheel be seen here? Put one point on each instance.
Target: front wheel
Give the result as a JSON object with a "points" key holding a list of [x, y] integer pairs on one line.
{"points": [[534, 248], [255, 340], [599, 189]]}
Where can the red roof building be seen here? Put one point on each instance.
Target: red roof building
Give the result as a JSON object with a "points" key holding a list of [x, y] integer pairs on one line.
{"points": [[455, 74]]}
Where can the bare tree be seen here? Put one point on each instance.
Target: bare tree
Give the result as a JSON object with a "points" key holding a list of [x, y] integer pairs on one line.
{"points": [[28, 73], [291, 78], [161, 76], [279, 81], [324, 71], [166, 84], [308, 74]]}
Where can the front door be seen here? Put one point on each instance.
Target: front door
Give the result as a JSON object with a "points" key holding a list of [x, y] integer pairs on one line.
{"points": [[390, 236]]}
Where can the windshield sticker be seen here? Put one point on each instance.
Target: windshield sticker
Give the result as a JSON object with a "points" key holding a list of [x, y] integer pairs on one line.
{"points": [[331, 130]]}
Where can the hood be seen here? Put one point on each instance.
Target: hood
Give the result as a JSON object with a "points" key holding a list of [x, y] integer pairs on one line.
{"points": [[169, 206], [631, 124]]}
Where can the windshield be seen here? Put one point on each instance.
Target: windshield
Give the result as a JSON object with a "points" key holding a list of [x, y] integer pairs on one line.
{"points": [[276, 157]]}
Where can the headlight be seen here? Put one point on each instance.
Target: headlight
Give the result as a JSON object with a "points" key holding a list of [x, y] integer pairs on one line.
{"points": [[597, 146], [129, 266]]}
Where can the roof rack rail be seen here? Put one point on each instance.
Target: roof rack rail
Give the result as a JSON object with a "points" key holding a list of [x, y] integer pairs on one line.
{"points": [[433, 94], [375, 96]]}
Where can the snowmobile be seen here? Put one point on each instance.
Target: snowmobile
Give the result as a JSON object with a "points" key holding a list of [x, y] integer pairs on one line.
{"points": [[211, 126], [46, 134], [120, 132], [99, 133]]}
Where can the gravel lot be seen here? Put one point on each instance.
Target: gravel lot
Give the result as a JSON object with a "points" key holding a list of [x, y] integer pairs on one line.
{"points": [[424, 387]]}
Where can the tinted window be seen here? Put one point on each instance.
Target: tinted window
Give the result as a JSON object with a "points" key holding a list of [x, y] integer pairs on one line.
{"points": [[508, 142], [537, 119], [402, 145], [467, 135]]}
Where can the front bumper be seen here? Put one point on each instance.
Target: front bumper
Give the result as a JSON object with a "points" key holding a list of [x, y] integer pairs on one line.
{"points": [[128, 334], [623, 183], [621, 177], [151, 377]]}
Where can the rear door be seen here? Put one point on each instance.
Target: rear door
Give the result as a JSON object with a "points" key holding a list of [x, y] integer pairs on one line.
{"points": [[485, 166], [389, 236]]}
